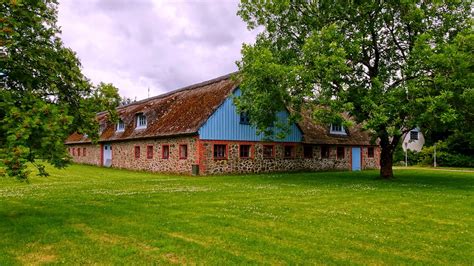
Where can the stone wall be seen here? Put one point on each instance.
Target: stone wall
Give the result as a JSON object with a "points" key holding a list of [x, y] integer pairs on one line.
{"points": [[123, 155], [91, 156], [201, 152], [278, 163], [370, 163]]}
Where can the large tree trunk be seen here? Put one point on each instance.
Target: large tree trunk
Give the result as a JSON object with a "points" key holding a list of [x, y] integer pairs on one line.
{"points": [[386, 163], [387, 145]]}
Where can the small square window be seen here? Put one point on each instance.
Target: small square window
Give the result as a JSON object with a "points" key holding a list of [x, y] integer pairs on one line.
{"points": [[268, 151], [413, 135], [137, 152], [244, 151], [83, 151], [120, 126], [308, 151], [337, 129], [141, 121], [324, 152], [370, 152], [149, 152], [220, 151], [244, 118], [289, 151], [340, 152], [165, 153], [183, 151]]}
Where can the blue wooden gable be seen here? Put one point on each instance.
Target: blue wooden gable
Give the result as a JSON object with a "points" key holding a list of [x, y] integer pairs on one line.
{"points": [[224, 124]]}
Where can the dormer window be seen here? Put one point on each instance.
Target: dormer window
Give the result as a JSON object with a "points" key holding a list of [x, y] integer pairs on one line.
{"points": [[120, 126], [244, 118], [337, 129], [102, 127], [141, 121]]}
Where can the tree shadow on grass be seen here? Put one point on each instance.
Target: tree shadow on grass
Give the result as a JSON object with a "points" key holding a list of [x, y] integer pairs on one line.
{"points": [[404, 179], [29, 223]]}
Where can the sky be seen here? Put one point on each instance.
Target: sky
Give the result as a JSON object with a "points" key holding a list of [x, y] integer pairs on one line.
{"points": [[160, 45]]}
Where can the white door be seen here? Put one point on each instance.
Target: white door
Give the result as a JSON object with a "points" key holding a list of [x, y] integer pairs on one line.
{"points": [[107, 159]]}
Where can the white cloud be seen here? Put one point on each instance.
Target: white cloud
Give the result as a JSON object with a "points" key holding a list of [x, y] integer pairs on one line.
{"points": [[160, 45]]}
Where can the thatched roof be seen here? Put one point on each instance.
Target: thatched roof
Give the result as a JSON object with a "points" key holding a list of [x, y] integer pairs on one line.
{"points": [[184, 111]]}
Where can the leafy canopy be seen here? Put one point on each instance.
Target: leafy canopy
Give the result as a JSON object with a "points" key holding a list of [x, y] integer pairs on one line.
{"points": [[391, 65], [43, 94]]}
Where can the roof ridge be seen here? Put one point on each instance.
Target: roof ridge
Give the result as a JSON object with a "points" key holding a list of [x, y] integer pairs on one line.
{"points": [[185, 88]]}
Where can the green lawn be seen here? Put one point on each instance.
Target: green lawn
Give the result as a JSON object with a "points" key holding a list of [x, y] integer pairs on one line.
{"points": [[86, 214]]}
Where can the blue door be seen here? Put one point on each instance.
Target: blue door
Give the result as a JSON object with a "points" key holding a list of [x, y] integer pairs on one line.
{"points": [[356, 159]]}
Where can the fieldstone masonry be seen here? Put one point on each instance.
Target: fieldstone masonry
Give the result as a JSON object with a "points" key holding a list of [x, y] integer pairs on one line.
{"points": [[201, 152]]}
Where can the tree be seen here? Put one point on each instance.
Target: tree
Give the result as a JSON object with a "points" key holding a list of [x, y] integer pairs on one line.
{"points": [[103, 97], [378, 61], [44, 96], [126, 100]]}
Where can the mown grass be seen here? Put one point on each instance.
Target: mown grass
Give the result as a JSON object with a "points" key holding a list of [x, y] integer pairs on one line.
{"points": [[86, 214]]}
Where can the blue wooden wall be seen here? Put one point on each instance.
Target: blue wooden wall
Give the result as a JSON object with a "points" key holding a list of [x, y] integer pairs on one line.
{"points": [[224, 124]]}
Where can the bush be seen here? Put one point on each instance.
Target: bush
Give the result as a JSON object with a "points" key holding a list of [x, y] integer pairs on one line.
{"points": [[444, 157], [413, 157]]}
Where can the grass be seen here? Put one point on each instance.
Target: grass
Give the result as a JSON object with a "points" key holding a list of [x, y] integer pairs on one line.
{"points": [[85, 214]]}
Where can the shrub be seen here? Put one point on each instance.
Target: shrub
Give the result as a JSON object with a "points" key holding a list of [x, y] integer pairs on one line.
{"points": [[413, 157], [445, 157]]}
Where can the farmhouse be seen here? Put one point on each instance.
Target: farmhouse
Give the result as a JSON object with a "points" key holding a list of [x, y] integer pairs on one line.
{"points": [[197, 130]]}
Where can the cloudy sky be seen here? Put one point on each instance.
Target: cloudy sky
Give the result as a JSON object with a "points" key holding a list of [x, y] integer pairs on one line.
{"points": [[157, 44]]}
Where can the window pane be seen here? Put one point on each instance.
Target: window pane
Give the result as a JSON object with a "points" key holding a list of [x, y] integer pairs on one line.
{"points": [[244, 118], [244, 151], [137, 152], [289, 151], [166, 152], [120, 126], [308, 151], [149, 152], [337, 128], [324, 152], [413, 135], [219, 151], [141, 120], [370, 152], [340, 152], [183, 151]]}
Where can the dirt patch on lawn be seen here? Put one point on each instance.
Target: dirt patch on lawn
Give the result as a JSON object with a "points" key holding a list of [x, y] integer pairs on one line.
{"points": [[188, 239], [42, 255], [151, 252]]}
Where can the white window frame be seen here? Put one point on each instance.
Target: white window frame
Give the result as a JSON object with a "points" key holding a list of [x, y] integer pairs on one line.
{"points": [[336, 130], [139, 120], [120, 126]]}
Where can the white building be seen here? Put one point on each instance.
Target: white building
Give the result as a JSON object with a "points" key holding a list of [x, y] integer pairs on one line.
{"points": [[413, 140]]}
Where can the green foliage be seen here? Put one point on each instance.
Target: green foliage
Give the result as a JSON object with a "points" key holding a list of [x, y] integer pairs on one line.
{"points": [[391, 65], [445, 156], [44, 96], [413, 157]]}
